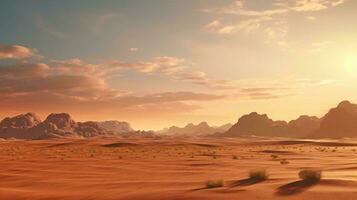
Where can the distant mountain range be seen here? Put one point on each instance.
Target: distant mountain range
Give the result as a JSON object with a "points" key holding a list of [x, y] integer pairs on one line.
{"points": [[201, 129], [339, 122], [261, 125], [59, 125]]}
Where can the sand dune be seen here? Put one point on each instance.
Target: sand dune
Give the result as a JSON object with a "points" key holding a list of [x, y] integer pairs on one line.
{"points": [[113, 168]]}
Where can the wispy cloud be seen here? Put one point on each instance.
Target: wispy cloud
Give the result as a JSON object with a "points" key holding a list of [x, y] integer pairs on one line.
{"points": [[176, 68], [319, 46], [271, 21], [315, 5]]}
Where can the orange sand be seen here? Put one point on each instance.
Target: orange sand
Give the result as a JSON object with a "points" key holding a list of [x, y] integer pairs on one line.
{"points": [[113, 168]]}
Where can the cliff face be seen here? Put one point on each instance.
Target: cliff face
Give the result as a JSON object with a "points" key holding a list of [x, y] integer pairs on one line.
{"points": [[340, 121]]}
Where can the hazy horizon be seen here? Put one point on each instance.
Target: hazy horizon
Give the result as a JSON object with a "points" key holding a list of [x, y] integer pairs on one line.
{"points": [[176, 62]]}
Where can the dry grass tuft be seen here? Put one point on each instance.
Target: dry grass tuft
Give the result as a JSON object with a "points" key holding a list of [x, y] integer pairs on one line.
{"points": [[284, 162], [214, 183], [258, 174], [310, 175]]}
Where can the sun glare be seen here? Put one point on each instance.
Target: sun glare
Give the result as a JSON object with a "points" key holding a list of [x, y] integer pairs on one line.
{"points": [[350, 64]]}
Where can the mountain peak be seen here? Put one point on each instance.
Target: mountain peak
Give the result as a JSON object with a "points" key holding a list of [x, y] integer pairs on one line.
{"points": [[344, 104]]}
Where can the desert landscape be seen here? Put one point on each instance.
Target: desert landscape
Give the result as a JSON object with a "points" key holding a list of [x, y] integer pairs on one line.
{"points": [[73, 161], [112, 168], [178, 100]]}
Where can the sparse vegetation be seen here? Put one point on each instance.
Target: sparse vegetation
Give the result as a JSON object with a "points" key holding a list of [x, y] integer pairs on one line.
{"points": [[284, 162], [235, 157], [310, 175], [214, 183], [273, 156], [258, 174]]}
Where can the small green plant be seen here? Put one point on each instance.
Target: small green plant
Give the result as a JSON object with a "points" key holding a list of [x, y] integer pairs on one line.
{"points": [[214, 183], [310, 175], [258, 174]]}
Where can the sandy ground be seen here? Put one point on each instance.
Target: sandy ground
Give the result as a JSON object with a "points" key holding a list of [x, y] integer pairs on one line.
{"points": [[114, 168]]}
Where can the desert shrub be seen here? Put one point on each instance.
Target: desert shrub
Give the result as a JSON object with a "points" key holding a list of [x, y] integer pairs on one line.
{"points": [[235, 157], [258, 174], [214, 183], [310, 175], [273, 156]]}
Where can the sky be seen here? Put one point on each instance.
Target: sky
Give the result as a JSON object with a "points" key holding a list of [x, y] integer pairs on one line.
{"points": [[168, 62]]}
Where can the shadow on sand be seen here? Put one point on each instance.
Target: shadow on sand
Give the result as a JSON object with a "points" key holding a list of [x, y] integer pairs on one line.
{"points": [[245, 182], [239, 183], [295, 187]]}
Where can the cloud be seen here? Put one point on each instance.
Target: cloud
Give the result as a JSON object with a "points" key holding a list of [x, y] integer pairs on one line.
{"points": [[174, 68], [16, 52], [271, 21], [24, 70], [128, 107], [75, 66], [216, 26], [238, 8], [319, 46], [134, 49], [73, 86], [252, 89], [313, 82], [261, 93], [311, 18], [163, 64], [315, 5], [200, 78]]}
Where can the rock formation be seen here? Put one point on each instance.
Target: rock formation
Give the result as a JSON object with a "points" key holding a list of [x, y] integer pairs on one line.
{"points": [[201, 129], [339, 122], [117, 127]]}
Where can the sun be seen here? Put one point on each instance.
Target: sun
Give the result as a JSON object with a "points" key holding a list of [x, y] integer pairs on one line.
{"points": [[350, 64]]}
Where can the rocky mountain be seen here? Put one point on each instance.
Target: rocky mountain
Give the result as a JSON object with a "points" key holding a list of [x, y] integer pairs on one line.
{"points": [[261, 125], [256, 124], [340, 121], [91, 129], [18, 126], [223, 128], [117, 127], [58, 125], [303, 126], [201, 129]]}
